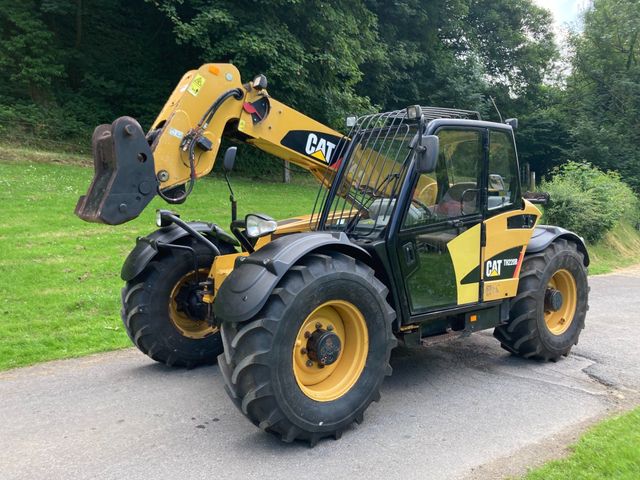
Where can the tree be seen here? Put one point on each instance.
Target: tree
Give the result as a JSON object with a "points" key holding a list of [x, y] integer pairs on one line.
{"points": [[310, 50], [603, 92], [29, 61]]}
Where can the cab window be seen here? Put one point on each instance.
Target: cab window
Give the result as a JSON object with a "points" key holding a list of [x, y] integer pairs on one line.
{"points": [[503, 185], [452, 191]]}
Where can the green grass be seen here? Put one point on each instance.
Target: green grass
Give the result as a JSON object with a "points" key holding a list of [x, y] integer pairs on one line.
{"points": [[60, 277], [610, 450]]}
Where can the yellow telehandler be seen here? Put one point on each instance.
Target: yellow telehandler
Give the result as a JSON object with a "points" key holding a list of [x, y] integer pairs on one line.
{"points": [[420, 229]]}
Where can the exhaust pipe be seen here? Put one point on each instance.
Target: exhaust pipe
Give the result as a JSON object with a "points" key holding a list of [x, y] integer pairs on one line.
{"points": [[124, 180]]}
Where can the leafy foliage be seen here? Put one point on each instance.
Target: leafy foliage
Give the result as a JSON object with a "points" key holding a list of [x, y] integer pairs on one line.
{"points": [[588, 201], [603, 92], [67, 65]]}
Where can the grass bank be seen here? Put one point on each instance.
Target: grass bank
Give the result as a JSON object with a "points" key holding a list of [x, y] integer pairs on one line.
{"points": [[59, 276], [620, 248], [610, 450]]}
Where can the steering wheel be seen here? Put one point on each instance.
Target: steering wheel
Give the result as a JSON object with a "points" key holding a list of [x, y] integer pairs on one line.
{"points": [[423, 206]]}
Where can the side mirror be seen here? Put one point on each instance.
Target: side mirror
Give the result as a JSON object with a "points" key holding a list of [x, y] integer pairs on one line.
{"points": [[512, 122], [229, 159], [427, 153]]}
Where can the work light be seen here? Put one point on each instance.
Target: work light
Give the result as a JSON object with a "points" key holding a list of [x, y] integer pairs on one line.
{"points": [[259, 225], [414, 112]]}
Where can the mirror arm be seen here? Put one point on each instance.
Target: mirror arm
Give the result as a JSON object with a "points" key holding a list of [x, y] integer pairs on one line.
{"points": [[232, 199]]}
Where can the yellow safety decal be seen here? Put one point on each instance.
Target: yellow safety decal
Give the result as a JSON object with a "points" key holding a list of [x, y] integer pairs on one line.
{"points": [[196, 85]]}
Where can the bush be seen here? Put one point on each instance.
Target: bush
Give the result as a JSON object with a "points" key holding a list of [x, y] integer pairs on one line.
{"points": [[588, 201], [49, 128]]}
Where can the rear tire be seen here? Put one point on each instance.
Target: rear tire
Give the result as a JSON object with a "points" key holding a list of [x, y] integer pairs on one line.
{"points": [[153, 320], [263, 375], [535, 330]]}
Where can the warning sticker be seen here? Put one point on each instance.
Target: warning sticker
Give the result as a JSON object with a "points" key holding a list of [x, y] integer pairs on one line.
{"points": [[196, 85]]}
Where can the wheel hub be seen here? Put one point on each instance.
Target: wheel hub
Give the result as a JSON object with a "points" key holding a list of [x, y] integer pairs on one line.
{"points": [[553, 300], [330, 350], [324, 347], [189, 302], [187, 312], [560, 302]]}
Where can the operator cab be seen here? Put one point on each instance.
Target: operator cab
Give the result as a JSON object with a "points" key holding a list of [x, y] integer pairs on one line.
{"points": [[430, 223]]}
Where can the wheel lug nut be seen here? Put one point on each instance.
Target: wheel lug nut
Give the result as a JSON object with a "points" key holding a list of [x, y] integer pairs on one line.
{"points": [[329, 327], [318, 326], [303, 351], [309, 363], [320, 365], [307, 334]]}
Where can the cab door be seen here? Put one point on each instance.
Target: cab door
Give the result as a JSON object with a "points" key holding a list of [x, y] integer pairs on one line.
{"points": [[438, 246], [509, 221]]}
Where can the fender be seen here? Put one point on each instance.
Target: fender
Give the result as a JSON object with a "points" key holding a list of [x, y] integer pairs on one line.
{"points": [[245, 291], [147, 247], [543, 235]]}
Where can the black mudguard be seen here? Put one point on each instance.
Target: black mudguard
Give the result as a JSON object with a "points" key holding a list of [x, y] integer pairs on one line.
{"points": [[147, 247], [544, 235], [245, 291]]}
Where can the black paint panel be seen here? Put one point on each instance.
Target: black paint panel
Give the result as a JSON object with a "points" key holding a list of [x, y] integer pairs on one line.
{"points": [[502, 265], [521, 221], [299, 140]]}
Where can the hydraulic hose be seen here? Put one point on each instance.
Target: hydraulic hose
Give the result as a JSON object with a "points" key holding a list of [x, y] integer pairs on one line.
{"points": [[191, 139]]}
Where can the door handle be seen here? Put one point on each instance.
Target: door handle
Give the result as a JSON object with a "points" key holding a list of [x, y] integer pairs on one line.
{"points": [[409, 254]]}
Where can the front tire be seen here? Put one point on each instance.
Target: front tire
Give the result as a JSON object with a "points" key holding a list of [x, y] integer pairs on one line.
{"points": [[548, 313], [161, 314], [272, 370]]}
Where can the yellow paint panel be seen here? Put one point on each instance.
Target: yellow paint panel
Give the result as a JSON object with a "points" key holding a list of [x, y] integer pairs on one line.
{"points": [[262, 241], [267, 134], [500, 289], [194, 94], [304, 223], [465, 255], [181, 113], [222, 267], [499, 239]]}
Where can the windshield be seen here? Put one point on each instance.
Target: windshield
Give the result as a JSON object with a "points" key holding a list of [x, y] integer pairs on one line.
{"points": [[371, 171]]}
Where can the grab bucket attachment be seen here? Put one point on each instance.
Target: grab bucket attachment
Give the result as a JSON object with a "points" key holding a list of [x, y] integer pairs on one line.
{"points": [[124, 179]]}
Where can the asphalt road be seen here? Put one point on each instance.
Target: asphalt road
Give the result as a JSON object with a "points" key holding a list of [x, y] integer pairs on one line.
{"points": [[465, 409]]}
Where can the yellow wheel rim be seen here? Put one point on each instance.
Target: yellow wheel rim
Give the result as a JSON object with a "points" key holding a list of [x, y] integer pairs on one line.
{"points": [[187, 326], [559, 321], [328, 383]]}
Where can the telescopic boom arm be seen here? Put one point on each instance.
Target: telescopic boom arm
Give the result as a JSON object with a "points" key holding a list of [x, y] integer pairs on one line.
{"points": [[207, 104]]}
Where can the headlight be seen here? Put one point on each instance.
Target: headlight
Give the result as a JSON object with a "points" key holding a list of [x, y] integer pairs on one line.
{"points": [[259, 225]]}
